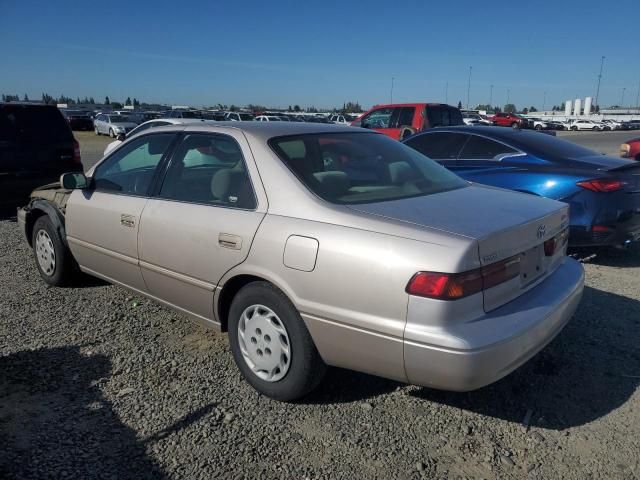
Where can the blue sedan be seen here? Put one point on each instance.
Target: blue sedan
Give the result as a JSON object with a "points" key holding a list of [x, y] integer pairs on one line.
{"points": [[603, 192]]}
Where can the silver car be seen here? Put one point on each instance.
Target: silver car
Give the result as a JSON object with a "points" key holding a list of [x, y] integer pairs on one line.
{"points": [[112, 124], [316, 245]]}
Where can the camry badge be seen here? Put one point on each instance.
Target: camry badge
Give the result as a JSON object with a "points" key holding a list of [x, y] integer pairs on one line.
{"points": [[542, 230]]}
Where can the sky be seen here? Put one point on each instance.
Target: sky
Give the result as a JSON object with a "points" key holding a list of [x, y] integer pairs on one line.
{"points": [[279, 53]]}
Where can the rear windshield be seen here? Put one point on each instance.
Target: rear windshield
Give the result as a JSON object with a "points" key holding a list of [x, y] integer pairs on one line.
{"points": [[443, 116], [35, 124], [119, 118], [246, 116], [351, 168], [545, 145]]}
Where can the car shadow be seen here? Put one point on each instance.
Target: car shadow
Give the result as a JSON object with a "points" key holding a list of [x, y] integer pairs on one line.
{"points": [[56, 423], [611, 257], [8, 213], [346, 386], [589, 370]]}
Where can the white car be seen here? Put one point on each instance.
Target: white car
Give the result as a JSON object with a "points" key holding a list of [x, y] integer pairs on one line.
{"points": [[267, 118], [159, 122], [611, 125], [112, 125], [239, 117], [340, 119], [538, 124], [474, 119], [586, 125]]}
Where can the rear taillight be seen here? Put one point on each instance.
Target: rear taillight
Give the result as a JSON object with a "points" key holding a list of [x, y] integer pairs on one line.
{"points": [[554, 244], [624, 150], [602, 185], [451, 286], [76, 153]]}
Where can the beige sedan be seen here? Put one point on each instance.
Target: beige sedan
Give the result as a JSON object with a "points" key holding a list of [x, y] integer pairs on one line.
{"points": [[316, 245]]}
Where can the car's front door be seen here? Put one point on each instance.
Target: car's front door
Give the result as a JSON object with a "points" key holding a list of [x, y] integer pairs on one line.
{"points": [[102, 222], [202, 221]]}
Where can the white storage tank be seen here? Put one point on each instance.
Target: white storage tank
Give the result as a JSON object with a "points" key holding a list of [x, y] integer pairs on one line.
{"points": [[577, 107], [567, 107], [587, 106]]}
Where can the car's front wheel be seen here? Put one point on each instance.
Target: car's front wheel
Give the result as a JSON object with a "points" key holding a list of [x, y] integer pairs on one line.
{"points": [[538, 127], [53, 259], [515, 125], [271, 344], [575, 129], [111, 134], [96, 130]]}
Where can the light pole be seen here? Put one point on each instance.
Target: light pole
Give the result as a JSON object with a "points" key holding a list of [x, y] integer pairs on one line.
{"points": [[392, 89], [508, 95], [622, 99], [544, 101], [491, 96], [599, 78], [469, 87], [638, 97], [446, 93]]}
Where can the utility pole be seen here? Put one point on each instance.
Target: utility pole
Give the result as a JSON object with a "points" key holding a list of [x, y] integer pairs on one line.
{"points": [[508, 95], [622, 99], [544, 101], [491, 96], [638, 97], [446, 93], [469, 87], [599, 78], [392, 89]]}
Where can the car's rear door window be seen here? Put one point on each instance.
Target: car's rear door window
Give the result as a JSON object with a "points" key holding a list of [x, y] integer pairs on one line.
{"points": [[131, 168], [443, 116], [405, 116], [209, 169], [478, 147], [438, 146], [350, 168]]}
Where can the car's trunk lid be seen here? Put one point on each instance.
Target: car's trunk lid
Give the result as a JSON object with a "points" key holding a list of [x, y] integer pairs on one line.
{"points": [[505, 224]]}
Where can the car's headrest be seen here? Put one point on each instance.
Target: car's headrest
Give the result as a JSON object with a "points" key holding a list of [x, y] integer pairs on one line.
{"points": [[400, 172], [334, 183], [227, 185]]}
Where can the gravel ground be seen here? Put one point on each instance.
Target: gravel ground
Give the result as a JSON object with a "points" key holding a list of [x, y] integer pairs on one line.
{"points": [[97, 383]]}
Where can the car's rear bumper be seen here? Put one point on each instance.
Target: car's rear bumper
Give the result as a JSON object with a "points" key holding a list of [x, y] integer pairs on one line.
{"points": [[493, 345]]}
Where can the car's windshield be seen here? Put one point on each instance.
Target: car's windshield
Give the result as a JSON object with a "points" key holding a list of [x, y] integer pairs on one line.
{"points": [[350, 168], [118, 118], [246, 116], [192, 115]]}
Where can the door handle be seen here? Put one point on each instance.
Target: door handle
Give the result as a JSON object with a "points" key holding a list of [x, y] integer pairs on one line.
{"points": [[227, 240], [127, 220]]}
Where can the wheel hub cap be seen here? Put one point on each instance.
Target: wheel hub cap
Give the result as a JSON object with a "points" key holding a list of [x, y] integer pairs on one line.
{"points": [[45, 252], [264, 343]]}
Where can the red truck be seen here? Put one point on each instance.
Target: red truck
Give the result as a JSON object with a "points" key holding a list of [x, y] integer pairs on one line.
{"points": [[400, 120], [631, 149], [509, 120]]}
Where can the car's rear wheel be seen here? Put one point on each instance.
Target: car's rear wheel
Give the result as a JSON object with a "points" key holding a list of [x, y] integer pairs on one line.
{"points": [[53, 259], [111, 134], [96, 130], [406, 132], [594, 128], [538, 127], [575, 129], [515, 125], [271, 344]]}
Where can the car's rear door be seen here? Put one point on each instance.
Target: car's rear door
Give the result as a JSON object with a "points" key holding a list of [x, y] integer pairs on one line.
{"points": [[202, 220], [484, 160], [102, 222], [443, 147]]}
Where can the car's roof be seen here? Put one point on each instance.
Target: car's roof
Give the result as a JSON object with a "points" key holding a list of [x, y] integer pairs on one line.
{"points": [[267, 130]]}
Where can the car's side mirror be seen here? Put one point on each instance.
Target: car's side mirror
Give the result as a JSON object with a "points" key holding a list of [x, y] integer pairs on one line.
{"points": [[73, 181], [121, 137]]}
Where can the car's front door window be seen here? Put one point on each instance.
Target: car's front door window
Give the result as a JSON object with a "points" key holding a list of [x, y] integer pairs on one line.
{"points": [[478, 147], [131, 168], [438, 146], [378, 118]]}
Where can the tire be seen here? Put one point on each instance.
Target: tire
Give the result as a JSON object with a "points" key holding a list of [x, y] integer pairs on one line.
{"points": [[575, 129], [538, 127], [53, 258], [515, 125], [111, 134], [302, 368], [595, 129], [97, 131]]}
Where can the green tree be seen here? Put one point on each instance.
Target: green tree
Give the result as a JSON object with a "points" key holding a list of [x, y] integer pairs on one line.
{"points": [[510, 108], [26, 97], [290, 109], [525, 111], [136, 103], [296, 108], [533, 109], [460, 105], [127, 102], [107, 101], [91, 100]]}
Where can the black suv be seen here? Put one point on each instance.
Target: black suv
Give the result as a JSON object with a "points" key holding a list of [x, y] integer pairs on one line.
{"points": [[36, 147]]}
